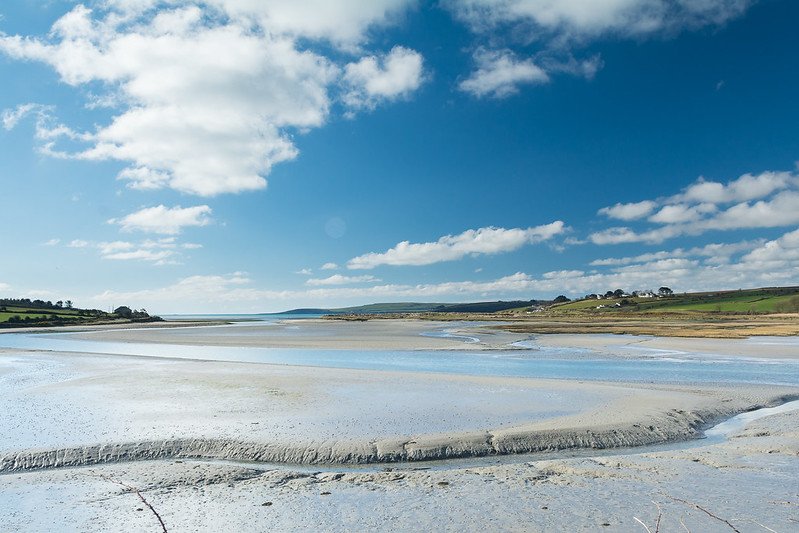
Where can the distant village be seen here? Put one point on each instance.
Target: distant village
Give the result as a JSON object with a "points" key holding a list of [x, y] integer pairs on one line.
{"points": [[619, 294]]}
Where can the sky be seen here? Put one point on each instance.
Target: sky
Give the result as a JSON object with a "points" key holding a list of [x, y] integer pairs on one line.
{"points": [[226, 156]]}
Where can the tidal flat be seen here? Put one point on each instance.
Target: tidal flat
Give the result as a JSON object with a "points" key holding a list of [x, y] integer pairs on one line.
{"points": [[392, 425]]}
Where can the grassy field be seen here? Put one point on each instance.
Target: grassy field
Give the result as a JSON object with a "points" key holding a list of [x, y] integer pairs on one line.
{"points": [[749, 301], [29, 314], [21, 313]]}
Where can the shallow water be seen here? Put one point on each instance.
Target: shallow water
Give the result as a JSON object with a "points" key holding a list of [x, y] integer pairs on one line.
{"points": [[526, 360]]}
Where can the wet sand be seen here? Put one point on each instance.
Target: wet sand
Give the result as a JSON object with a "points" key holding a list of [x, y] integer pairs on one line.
{"points": [[67, 409], [318, 334], [626, 345], [748, 482], [77, 431]]}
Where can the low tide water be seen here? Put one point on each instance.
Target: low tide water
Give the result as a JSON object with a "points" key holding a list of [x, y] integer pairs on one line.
{"points": [[527, 360]]}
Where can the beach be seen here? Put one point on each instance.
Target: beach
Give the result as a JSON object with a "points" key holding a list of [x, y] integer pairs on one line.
{"points": [[208, 442]]}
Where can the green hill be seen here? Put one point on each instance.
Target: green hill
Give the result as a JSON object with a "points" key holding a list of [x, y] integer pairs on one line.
{"points": [[418, 307], [23, 312], [762, 300]]}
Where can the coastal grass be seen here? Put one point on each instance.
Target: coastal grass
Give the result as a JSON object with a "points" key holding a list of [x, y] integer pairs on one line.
{"points": [[28, 314], [765, 300]]}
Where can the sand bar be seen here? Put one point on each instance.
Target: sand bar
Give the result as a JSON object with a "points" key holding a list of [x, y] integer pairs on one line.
{"points": [[67, 409], [318, 334], [627, 345]]}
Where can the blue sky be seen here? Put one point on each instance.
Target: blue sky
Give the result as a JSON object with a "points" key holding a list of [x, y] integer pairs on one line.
{"points": [[242, 155]]}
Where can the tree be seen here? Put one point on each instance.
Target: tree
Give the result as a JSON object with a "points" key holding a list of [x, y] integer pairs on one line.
{"points": [[618, 293], [561, 299], [665, 291], [59, 303], [68, 304], [123, 312]]}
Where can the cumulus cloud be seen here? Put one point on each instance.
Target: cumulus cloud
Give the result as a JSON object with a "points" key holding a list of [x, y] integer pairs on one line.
{"points": [[338, 279], [715, 253], [581, 20], [344, 23], [499, 74], [374, 79], [745, 188], [630, 211], [210, 93], [329, 266], [765, 200], [776, 255], [12, 117], [767, 262], [164, 220], [677, 213], [481, 241], [557, 28], [163, 251]]}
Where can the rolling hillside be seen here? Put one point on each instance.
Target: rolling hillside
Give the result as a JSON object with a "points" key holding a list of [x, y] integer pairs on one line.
{"points": [[746, 301]]}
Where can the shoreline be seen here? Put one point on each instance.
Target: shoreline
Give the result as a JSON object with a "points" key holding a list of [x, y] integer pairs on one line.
{"points": [[685, 324], [667, 325]]}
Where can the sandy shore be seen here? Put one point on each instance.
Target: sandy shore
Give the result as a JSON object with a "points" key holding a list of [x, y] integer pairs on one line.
{"points": [[319, 334], [86, 440]]}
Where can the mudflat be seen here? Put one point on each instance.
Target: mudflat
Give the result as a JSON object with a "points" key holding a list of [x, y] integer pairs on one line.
{"points": [[218, 444]]}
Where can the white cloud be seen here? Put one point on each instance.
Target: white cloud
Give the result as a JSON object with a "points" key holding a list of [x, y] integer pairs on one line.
{"points": [[5, 287], [145, 179], [161, 251], [701, 207], [500, 73], [715, 253], [772, 262], [338, 279], [679, 213], [757, 263], [329, 266], [344, 22], [51, 242], [745, 188], [12, 117], [488, 240], [304, 272], [374, 79], [559, 26], [777, 254], [621, 235], [630, 211], [210, 92], [165, 220], [579, 20], [158, 256], [781, 210]]}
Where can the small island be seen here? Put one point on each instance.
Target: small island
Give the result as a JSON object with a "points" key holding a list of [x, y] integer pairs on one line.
{"points": [[24, 312]]}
